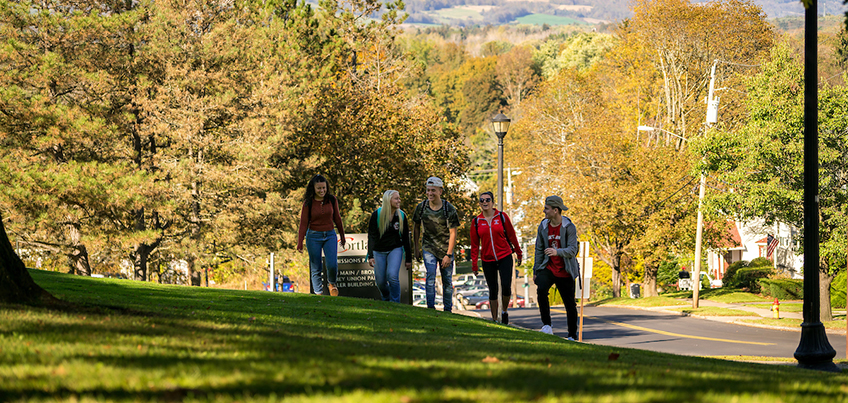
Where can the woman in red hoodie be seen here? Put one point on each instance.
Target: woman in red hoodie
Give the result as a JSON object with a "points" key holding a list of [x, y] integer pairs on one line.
{"points": [[492, 232]]}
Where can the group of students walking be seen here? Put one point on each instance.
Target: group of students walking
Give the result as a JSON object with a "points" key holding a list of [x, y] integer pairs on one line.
{"points": [[435, 221]]}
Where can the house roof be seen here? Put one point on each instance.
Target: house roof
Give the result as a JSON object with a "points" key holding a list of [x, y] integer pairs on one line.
{"points": [[763, 241], [734, 242]]}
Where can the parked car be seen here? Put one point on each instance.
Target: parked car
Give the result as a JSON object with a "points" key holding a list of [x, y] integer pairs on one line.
{"points": [[423, 301], [473, 298], [469, 287], [463, 278], [485, 304], [686, 283]]}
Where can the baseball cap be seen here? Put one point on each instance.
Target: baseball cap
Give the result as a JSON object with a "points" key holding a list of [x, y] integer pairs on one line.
{"points": [[434, 181], [555, 201]]}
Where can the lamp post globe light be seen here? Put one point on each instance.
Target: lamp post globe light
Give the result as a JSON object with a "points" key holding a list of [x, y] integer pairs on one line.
{"points": [[500, 124]]}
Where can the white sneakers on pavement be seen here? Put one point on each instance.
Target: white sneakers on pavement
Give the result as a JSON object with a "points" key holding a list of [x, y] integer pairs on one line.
{"points": [[547, 329]]}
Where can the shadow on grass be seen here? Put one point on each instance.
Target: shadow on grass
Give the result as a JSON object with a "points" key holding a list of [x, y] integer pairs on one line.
{"points": [[239, 345]]}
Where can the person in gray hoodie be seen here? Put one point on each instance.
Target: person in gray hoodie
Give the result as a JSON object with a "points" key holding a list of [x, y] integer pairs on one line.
{"points": [[555, 263]]}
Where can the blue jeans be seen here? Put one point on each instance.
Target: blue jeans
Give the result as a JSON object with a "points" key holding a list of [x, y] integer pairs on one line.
{"points": [[431, 263], [387, 273], [316, 241]]}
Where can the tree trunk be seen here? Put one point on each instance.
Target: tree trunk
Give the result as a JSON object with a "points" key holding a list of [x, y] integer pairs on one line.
{"points": [[193, 273], [16, 284], [79, 253], [79, 259], [649, 282], [826, 313], [141, 251], [616, 281], [140, 256]]}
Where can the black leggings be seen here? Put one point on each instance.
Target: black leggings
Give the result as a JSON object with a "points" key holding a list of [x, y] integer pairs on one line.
{"points": [[491, 271]]}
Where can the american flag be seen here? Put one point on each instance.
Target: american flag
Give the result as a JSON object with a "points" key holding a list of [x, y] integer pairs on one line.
{"points": [[772, 245]]}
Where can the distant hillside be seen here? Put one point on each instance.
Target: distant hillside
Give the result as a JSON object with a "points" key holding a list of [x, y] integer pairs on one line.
{"points": [[563, 12]]}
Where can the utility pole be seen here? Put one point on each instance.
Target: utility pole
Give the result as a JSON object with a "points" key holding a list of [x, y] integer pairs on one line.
{"points": [[712, 117]]}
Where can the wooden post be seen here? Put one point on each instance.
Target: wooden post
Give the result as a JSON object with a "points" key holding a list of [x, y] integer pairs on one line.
{"points": [[271, 285], [583, 253]]}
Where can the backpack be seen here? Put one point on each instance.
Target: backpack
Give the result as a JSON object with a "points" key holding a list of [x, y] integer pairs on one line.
{"points": [[503, 224], [426, 203]]}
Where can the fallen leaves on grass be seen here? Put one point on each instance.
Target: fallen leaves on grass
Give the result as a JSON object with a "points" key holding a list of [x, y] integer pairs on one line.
{"points": [[613, 356], [490, 359]]}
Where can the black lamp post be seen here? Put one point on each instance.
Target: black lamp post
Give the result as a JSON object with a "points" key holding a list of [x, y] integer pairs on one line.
{"points": [[814, 350], [500, 123]]}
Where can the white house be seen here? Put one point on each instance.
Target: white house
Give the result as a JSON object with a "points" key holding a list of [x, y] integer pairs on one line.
{"points": [[748, 240]]}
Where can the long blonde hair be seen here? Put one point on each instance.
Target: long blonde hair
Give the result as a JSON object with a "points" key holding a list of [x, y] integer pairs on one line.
{"points": [[386, 213]]}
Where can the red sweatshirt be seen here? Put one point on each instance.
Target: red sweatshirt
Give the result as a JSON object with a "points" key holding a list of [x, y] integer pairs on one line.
{"points": [[324, 216], [492, 240]]}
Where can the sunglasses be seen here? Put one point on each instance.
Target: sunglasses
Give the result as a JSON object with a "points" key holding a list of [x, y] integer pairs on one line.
{"points": [[486, 200]]}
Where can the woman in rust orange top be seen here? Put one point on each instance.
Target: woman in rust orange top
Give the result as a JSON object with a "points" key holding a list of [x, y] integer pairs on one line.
{"points": [[320, 213]]}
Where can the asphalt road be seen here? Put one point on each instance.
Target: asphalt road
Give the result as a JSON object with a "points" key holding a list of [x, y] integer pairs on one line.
{"points": [[668, 333]]}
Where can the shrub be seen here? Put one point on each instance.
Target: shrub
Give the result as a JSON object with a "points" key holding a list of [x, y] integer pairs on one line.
{"points": [[782, 289], [731, 272], [837, 291], [667, 274], [747, 277], [760, 262], [600, 290]]}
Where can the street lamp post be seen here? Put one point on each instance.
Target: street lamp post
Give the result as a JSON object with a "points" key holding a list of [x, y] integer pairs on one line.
{"points": [[814, 350], [500, 124]]}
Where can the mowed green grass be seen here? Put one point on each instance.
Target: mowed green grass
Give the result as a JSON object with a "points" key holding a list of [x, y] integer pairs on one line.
{"points": [[541, 19], [458, 13], [131, 341]]}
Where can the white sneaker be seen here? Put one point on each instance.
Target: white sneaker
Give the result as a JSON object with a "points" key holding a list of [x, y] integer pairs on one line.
{"points": [[570, 338], [547, 329]]}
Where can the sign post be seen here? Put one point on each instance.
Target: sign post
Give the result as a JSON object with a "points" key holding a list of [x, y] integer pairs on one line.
{"points": [[585, 277]]}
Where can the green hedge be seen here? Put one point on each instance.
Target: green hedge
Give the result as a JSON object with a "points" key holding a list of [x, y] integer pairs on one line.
{"points": [[747, 277], [782, 289], [731, 271], [837, 291], [760, 262]]}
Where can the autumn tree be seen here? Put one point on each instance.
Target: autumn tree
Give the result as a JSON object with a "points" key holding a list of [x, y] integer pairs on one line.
{"points": [[66, 177], [516, 74], [683, 40], [763, 161]]}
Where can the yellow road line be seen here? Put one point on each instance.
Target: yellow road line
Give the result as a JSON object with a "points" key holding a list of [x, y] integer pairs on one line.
{"points": [[645, 329]]}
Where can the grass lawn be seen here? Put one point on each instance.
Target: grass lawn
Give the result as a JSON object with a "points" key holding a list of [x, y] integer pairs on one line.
{"points": [[796, 323], [724, 295], [784, 306], [459, 13], [132, 341], [541, 19], [716, 311], [643, 302]]}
